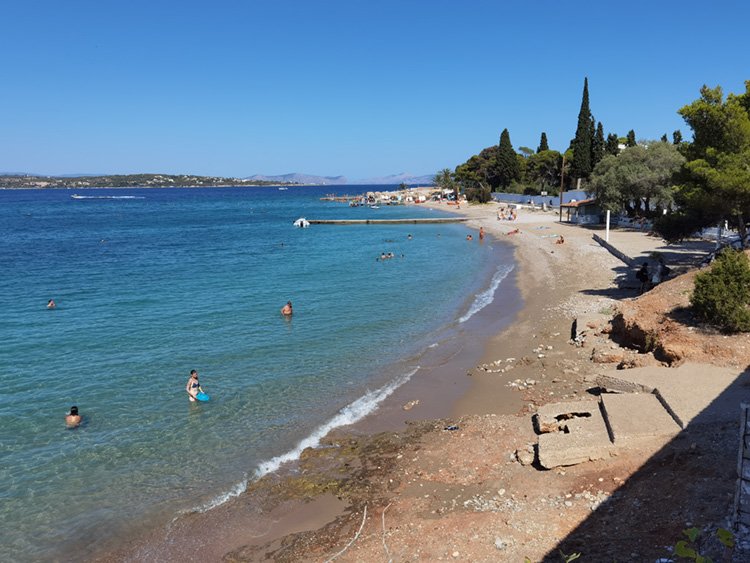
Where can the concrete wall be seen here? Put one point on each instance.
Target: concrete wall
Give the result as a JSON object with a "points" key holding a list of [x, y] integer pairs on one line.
{"points": [[615, 252]]}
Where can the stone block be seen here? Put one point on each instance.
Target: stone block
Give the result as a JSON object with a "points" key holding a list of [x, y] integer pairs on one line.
{"points": [[637, 417], [581, 434]]}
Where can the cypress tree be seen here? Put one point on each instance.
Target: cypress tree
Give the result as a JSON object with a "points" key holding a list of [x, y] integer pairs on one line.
{"points": [[543, 146], [676, 137], [631, 139], [508, 169], [612, 145], [581, 166], [597, 145]]}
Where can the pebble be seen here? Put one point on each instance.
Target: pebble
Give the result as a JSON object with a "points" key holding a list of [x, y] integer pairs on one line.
{"points": [[456, 554]]}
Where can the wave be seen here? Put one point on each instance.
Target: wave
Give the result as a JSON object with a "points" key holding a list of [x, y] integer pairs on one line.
{"points": [[488, 295], [350, 414]]}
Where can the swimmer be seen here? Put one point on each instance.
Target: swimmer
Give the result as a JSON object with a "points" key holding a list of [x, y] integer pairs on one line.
{"points": [[51, 304], [193, 387], [286, 310], [469, 237], [73, 419], [409, 237], [481, 233]]}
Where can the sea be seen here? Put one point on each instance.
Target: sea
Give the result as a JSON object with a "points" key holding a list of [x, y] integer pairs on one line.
{"points": [[151, 283]]}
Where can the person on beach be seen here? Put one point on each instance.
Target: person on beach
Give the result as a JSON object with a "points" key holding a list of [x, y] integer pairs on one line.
{"points": [[286, 310], [193, 387], [481, 233], [560, 240], [73, 419], [51, 304], [643, 277]]}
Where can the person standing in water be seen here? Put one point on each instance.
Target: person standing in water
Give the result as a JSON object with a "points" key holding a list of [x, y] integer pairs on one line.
{"points": [[193, 387], [73, 419], [286, 310], [481, 233]]}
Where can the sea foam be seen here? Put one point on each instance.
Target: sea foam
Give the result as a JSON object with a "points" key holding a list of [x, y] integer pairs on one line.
{"points": [[488, 295], [350, 414]]}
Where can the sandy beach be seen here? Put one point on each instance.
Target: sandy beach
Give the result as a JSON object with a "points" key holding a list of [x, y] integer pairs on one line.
{"points": [[464, 487]]}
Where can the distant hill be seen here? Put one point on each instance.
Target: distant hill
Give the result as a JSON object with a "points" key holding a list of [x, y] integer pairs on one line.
{"points": [[395, 179], [297, 178]]}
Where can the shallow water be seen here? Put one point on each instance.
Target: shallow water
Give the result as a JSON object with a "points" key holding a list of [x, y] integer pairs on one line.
{"points": [[153, 284]]}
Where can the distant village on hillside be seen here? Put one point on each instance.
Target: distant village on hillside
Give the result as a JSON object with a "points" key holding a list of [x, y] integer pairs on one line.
{"points": [[27, 181]]}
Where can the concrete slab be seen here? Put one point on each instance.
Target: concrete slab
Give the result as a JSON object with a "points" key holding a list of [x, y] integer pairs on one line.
{"points": [[549, 417], [692, 393], [636, 418], [581, 434]]}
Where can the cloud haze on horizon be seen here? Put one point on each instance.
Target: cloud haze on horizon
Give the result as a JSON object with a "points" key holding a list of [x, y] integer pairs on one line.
{"points": [[352, 88]]}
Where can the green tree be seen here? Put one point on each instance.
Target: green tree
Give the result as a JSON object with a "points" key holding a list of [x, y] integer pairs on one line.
{"points": [[612, 145], [526, 151], [676, 137], [581, 166], [598, 145], [637, 178], [506, 168], [664, 138], [722, 294], [445, 180], [716, 184], [543, 169], [543, 146], [630, 139]]}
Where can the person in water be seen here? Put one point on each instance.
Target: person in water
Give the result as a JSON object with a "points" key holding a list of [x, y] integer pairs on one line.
{"points": [[51, 304], [193, 387], [481, 233], [286, 310], [73, 419]]}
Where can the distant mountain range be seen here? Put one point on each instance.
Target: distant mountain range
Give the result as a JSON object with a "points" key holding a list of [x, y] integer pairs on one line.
{"points": [[391, 180]]}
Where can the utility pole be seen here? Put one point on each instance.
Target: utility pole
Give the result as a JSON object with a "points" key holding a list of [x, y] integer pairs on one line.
{"points": [[562, 183]]}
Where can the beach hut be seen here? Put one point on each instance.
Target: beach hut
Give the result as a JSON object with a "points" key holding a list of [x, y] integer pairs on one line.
{"points": [[584, 212]]}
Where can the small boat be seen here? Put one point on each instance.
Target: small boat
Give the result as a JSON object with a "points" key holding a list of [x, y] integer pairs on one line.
{"points": [[283, 188], [302, 223], [374, 207], [76, 196]]}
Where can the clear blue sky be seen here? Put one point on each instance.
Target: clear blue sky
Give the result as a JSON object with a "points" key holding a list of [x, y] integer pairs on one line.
{"points": [[362, 89]]}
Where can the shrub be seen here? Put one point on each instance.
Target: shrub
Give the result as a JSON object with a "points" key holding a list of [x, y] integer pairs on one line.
{"points": [[480, 194], [721, 296]]}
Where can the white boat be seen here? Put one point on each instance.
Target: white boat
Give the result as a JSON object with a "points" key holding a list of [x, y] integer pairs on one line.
{"points": [[283, 188], [302, 223]]}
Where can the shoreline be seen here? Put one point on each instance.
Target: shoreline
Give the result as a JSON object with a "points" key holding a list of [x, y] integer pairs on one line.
{"points": [[462, 396]]}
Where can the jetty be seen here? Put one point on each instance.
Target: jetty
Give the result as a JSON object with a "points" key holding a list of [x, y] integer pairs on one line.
{"points": [[387, 221]]}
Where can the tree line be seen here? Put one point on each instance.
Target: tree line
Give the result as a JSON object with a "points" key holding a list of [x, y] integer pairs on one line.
{"points": [[684, 185]]}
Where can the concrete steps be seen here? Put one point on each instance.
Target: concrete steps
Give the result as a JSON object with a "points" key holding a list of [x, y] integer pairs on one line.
{"points": [[642, 406]]}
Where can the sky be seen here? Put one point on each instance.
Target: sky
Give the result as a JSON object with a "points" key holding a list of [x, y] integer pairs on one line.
{"points": [[355, 88]]}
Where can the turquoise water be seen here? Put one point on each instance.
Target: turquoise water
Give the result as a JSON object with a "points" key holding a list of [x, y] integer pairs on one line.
{"points": [[151, 283]]}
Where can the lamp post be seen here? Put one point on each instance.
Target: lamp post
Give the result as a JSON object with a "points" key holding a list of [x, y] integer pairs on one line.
{"points": [[562, 183]]}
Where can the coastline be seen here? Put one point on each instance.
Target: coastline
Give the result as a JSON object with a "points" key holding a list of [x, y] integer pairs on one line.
{"points": [[460, 396]]}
